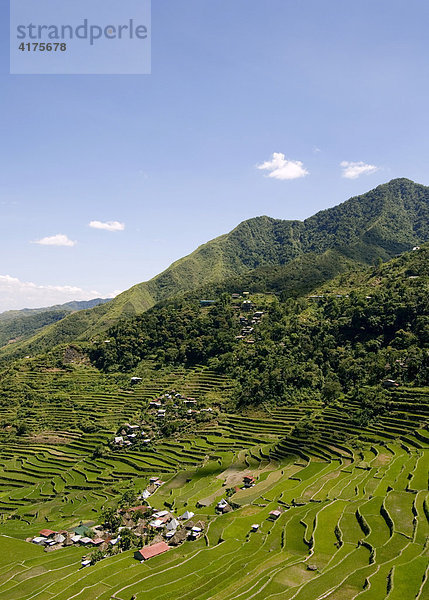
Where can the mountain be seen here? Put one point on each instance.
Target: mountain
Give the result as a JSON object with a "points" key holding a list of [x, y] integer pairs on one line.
{"points": [[22, 324], [363, 326], [380, 224], [67, 307]]}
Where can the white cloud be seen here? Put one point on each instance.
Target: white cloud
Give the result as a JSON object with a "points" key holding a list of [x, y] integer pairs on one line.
{"points": [[56, 240], [280, 167], [107, 225], [17, 294], [353, 170], [114, 293]]}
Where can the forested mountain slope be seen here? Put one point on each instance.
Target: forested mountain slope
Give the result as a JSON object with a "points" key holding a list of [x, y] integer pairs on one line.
{"points": [[358, 329], [21, 324], [377, 225]]}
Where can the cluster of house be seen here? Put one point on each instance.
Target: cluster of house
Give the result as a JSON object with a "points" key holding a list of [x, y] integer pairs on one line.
{"points": [[247, 305], [166, 523], [129, 434], [247, 327], [53, 540], [171, 401], [141, 520], [235, 296], [179, 401], [168, 529]]}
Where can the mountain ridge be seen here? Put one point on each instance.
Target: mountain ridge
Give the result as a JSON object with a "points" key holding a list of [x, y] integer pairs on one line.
{"points": [[373, 226], [73, 305], [21, 324]]}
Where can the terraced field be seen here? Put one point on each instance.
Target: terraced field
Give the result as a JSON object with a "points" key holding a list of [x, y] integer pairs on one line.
{"points": [[354, 504]]}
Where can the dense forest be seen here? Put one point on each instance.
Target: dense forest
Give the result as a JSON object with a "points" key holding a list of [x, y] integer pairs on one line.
{"points": [[361, 328]]}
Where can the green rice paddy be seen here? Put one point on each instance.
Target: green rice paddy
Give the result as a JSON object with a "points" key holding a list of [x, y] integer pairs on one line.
{"points": [[354, 502]]}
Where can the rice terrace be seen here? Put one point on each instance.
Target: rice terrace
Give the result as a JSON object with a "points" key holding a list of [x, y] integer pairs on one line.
{"points": [[214, 300], [336, 512]]}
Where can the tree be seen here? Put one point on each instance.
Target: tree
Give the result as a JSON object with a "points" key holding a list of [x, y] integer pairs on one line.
{"points": [[95, 556], [331, 390], [99, 451], [111, 519], [21, 429], [128, 539], [128, 498]]}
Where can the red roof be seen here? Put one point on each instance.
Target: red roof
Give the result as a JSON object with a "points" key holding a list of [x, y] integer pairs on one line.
{"points": [[153, 550], [47, 532], [136, 508]]}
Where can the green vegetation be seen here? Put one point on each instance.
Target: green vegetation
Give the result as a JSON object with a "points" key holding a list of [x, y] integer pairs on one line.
{"points": [[18, 325], [320, 401], [306, 348], [353, 499], [378, 225]]}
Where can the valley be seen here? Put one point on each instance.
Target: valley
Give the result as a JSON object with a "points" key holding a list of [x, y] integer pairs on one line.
{"points": [[353, 501]]}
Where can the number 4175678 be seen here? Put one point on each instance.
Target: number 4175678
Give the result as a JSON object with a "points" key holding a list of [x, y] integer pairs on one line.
{"points": [[42, 47]]}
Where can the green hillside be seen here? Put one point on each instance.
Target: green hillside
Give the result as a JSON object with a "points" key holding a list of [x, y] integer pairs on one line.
{"points": [[18, 325], [378, 225], [298, 405], [351, 497], [359, 328], [74, 305], [299, 276]]}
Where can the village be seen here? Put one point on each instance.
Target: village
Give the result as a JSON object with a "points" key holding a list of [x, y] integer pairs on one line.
{"points": [[150, 531], [243, 304], [167, 406]]}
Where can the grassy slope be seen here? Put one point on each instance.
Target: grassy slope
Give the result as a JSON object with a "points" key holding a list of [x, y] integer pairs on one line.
{"points": [[22, 324], [380, 224], [74, 305]]}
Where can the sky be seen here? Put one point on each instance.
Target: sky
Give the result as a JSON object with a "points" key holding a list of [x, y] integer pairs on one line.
{"points": [[279, 108]]}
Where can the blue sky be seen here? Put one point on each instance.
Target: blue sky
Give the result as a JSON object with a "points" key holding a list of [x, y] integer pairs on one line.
{"points": [[174, 156]]}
